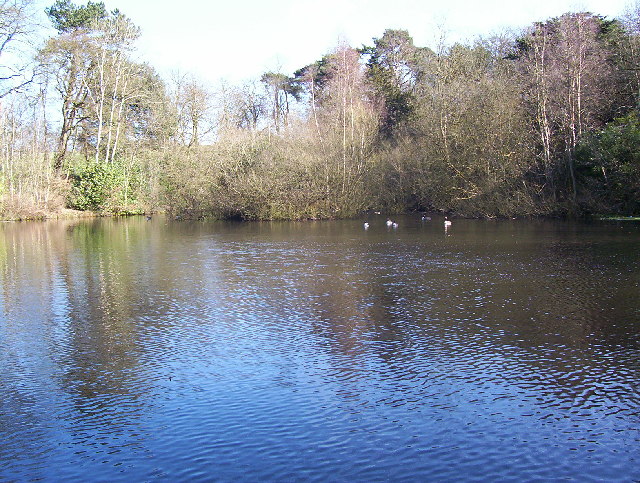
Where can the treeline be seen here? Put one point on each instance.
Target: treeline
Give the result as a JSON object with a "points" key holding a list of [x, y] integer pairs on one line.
{"points": [[542, 122]]}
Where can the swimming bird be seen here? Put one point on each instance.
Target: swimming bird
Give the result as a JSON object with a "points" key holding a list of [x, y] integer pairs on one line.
{"points": [[426, 218], [394, 224], [389, 222], [366, 225], [447, 223]]}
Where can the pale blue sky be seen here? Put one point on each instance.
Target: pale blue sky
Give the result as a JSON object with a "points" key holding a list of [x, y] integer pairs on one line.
{"points": [[241, 39]]}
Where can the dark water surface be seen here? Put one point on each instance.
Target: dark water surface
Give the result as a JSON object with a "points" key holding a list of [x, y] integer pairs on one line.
{"points": [[178, 351]]}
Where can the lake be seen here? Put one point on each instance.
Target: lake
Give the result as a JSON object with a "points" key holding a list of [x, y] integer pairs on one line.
{"points": [[163, 350]]}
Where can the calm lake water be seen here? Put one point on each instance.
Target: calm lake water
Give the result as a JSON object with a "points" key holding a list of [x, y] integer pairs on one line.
{"points": [[134, 350]]}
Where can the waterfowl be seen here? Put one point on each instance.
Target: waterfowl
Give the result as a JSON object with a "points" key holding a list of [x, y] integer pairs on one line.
{"points": [[394, 224], [446, 222], [389, 222], [366, 225]]}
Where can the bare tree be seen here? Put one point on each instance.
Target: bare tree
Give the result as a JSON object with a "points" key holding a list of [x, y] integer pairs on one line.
{"points": [[568, 73], [110, 85], [193, 105], [16, 28], [348, 123]]}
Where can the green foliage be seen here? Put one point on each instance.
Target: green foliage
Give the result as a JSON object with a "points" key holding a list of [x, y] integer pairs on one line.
{"points": [[67, 16], [393, 70], [608, 162], [316, 74], [106, 188], [280, 82]]}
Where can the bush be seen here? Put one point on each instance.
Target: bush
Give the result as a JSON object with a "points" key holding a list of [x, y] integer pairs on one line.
{"points": [[608, 165], [107, 188]]}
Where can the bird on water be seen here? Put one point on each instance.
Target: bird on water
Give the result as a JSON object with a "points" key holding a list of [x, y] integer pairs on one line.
{"points": [[447, 222]]}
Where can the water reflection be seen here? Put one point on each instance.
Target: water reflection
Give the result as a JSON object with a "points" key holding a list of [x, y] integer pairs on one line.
{"points": [[160, 349]]}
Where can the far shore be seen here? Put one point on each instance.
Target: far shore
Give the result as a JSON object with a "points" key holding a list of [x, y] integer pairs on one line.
{"points": [[71, 214]]}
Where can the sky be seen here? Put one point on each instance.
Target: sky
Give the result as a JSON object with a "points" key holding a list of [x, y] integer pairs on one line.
{"points": [[238, 40]]}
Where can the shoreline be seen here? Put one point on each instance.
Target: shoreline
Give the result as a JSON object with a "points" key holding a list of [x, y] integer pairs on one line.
{"points": [[71, 214]]}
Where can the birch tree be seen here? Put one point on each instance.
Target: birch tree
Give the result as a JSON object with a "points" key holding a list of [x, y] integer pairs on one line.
{"points": [[567, 70], [349, 124], [109, 87]]}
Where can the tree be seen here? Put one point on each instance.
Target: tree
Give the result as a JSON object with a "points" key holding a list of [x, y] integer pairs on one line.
{"points": [[608, 162], [68, 17], [280, 88], [242, 107], [193, 103], [16, 24], [567, 71], [68, 62], [394, 69], [623, 38], [109, 88], [89, 63], [466, 148], [312, 80], [348, 124]]}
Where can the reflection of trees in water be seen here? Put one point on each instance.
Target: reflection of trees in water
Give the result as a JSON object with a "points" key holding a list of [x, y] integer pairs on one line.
{"points": [[548, 318], [550, 314], [89, 306], [74, 294], [562, 323]]}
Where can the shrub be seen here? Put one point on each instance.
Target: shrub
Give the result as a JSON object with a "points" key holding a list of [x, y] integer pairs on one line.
{"points": [[608, 163], [112, 188]]}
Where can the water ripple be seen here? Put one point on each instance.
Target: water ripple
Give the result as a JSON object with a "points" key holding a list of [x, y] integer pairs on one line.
{"points": [[307, 352]]}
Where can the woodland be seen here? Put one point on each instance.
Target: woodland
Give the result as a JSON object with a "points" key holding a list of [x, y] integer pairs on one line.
{"points": [[539, 122]]}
